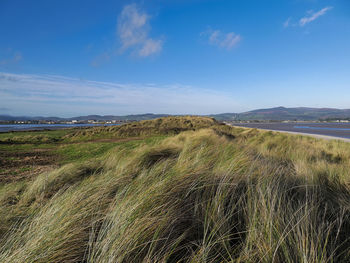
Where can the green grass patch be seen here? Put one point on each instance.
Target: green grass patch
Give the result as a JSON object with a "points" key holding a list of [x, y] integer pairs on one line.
{"points": [[80, 152]]}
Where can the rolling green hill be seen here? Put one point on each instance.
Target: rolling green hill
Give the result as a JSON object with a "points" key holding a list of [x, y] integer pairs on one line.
{"points": [[176, 189]]}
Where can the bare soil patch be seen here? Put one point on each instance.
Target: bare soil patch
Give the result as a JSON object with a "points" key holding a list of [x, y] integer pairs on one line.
{"points": [[16, 166], [21, 165]]}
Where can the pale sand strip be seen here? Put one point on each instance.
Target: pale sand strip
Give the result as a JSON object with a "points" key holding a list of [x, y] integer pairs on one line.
{"points": [[318, 136]]}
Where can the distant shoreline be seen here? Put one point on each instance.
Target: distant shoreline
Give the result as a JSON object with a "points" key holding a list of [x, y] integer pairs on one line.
{"points": [[40, 127], [317, 136]]}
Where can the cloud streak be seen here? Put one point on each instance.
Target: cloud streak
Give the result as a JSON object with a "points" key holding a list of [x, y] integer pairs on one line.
{"points": [[287, 22], [221, 39], [48, 95], [313, 16]]}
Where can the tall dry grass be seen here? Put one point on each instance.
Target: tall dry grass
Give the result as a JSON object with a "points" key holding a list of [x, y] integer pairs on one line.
{"points": [[211, 195]]}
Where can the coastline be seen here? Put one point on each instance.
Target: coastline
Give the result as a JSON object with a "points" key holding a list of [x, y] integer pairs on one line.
{"points": [[317, 136]]}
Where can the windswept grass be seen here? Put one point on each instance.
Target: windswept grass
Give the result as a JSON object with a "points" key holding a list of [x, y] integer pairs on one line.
{"points": [[161, 126], [211, 193]]}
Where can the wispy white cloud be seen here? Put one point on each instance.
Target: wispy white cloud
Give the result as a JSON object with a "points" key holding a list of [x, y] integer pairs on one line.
{"points": [[133, 30], [221, 39], [57, 95], [287, 22], [150, 47], [13, 58], [313, 16]]}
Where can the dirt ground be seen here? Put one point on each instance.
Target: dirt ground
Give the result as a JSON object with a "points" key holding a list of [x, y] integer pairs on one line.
{"points": [[15, 166], [21, 165]]}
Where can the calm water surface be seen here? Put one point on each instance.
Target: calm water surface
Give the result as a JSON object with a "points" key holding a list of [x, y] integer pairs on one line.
{"points": [[322, 128], [28, 127], [341, 130]]}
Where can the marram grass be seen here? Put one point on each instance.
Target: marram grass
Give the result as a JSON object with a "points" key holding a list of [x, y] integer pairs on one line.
{"points": [[209, 194]]}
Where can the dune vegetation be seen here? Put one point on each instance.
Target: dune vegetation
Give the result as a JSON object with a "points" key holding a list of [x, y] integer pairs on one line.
{"points": [[178, 189]]}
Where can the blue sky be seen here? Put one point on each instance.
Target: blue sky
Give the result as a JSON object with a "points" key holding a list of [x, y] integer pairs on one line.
{"points": [[68, 58]]}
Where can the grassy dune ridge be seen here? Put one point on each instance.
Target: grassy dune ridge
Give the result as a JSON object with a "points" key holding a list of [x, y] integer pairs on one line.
{"points": [[187, 189]]}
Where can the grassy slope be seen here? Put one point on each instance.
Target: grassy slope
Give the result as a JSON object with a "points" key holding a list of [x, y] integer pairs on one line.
{"points": [[211, 193]]}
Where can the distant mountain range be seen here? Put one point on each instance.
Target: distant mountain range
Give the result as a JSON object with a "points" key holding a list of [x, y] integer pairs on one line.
{"points": [[282, 113], [138, 117], [275, 114]]}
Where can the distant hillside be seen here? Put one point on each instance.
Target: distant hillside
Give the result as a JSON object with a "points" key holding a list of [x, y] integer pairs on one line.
{"points": [[275, 114], [282, 113], [138, 117]]}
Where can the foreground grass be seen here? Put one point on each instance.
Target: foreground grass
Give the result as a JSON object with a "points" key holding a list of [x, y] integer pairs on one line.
{"points": [[211, 193]]}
